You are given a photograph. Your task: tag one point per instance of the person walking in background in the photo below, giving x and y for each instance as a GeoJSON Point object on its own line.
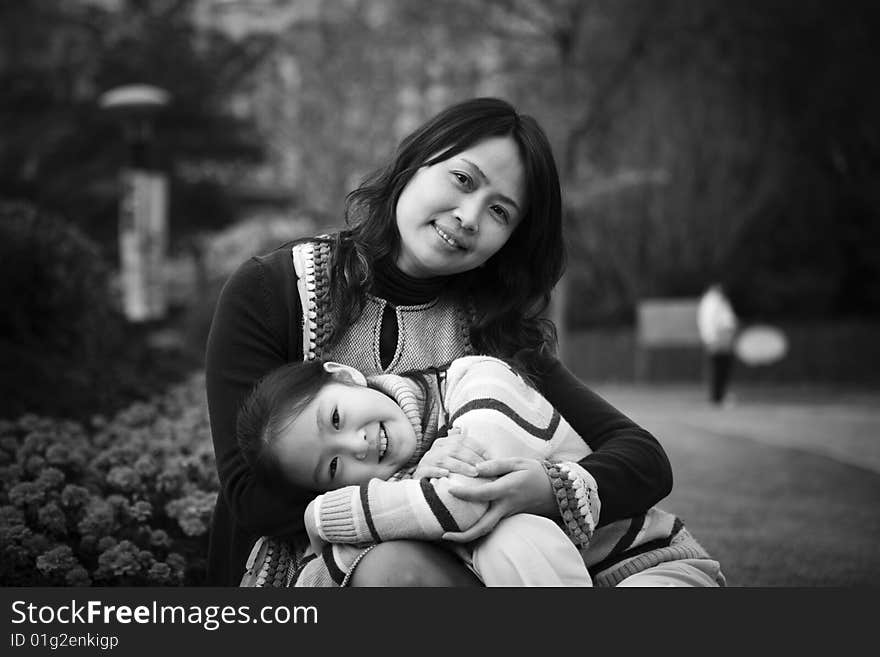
{"type": "Point", "coordinates": [717, 324]}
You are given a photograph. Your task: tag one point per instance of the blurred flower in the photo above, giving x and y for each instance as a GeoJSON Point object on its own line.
{"type": "Point", "coordinates": [124, 478]}
{"type": "Point", "coordinates": [74, 497]}
{"type": "Point", "coordinates": [146, 466]}
{"type": "Point", "coordinates": [27, 493]}
{"type": "Point", "coordinates": [160, 538]}
{"type": "Point", "coordinates": [78, 576]}
{"type": "Point", "coordinates": [34, 465]}
{"type": "Point", "coordinates": [99, 519]}
{"type": "Point", "coordinates": [193, 512]}
{"type": "Point", "coordinates": [177, 564]}
{"type": "Point", "coordinates": [114, 492]}
{"type": "Point", "coordinates": [52, 519]}
{"type": "Point", "coordinates": [160, 573]}
{"type": "Point", "coordinates": [106, 542]}
{"type": "Point", "coordinates": [51, 478]}
{"type": "Point", "coordinates": [141, 511]}
{"type": "Point", "coordinates": [122, 559]}
{"type": "Point", "coordinates": [58, 560]}
{"type": "Point", "coordinates": [10, 515]}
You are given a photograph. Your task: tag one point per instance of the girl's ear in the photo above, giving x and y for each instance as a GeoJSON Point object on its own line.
{"type": "Point", "coordinates": [345, 374]}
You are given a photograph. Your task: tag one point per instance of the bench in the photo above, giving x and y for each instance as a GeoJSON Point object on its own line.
{"type": "Point", "coordinates": [667, 324]}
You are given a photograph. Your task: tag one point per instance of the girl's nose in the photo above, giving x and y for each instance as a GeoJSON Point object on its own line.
{"type": "Point", "coordinates": [355, 444]}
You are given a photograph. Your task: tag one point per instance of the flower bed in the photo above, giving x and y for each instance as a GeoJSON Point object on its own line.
{"type": "Point", "coordinates": [125, 501]}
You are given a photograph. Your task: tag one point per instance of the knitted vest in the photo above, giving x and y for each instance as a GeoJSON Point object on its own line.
{"type": "Point", "coordinates": [428, 334]}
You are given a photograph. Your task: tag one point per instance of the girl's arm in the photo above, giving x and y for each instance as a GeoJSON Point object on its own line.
{"type": "Point", "coordinates": [630, 468]}
{"type": "Point", "coordinates": [388, 510]}
{"type": "Point", "coordinates": [249, 337]}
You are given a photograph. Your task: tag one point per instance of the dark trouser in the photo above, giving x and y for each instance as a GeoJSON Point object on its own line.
{"type": "Point", "coordinates": [720, 365]}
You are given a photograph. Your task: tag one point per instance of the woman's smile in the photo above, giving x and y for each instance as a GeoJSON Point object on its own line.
{"type": "Point", "coordinates": [447, 237]}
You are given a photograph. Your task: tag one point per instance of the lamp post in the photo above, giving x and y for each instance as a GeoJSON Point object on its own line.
{"type": "Point", "coordinates": [143, 206]}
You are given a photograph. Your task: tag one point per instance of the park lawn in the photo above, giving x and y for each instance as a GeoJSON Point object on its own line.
{"type": "Point", "coordinates": [774, 515]}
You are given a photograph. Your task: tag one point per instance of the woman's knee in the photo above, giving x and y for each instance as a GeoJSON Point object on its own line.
{"type": "Point", "coordinates": [411, 563]}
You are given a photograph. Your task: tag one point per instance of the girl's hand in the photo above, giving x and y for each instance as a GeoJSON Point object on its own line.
{"type": "Point", "coordinates": [522, 486]}
{"type": "Point", "coordinates": [455, 452]}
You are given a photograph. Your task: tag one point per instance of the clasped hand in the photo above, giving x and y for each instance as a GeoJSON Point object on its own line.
{"type": "Point", "coordinates": [520, 485]}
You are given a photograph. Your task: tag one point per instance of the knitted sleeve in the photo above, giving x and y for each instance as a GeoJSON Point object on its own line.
{"type": "Point", "coordinates": [577, 498]}
{"type": "Point", "coordinates": [629, 465]}
{"type": "Point", "coordinates": [388, 510]}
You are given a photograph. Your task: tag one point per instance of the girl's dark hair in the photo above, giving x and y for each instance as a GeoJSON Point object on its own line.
{"type": "Point", "coordinates": [511, 291]}
{"type": "Point", "coordinates": [275, 402]}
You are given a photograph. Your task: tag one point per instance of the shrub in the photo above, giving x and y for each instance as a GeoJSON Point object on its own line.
{"type": "Point", "coordinates": [120, 501]}
{"type": "Point", "coordinates": [59, 324]}
{"type": "Point", "coordinates": [65, 349]}
{"type": "Point", "coordinates": [54, 285]}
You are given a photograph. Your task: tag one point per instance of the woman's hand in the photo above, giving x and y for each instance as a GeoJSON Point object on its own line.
{"type": "Point", "coordinates": [455, 452]}
{"type": "Point", "coordinates": [522, 486]}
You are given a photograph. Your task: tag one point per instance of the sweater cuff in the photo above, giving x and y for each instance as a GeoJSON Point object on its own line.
{"type": "Point", "coordinates": [577, 497]}
{"type": "Point", "coordinates": [335, 517]}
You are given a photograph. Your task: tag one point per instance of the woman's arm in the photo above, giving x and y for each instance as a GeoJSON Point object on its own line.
{"type": "Point", "coordinates": [250, 336]}
{"type": "Point", "coordinates": [630, 467]}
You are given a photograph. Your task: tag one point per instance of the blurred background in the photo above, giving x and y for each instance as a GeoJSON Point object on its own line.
{"type": "Point", "coordinates": [698, 141]}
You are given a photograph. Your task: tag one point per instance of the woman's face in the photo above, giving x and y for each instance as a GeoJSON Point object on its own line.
{"type": "Point", "coordinates": [456, 214]}
{"type": "Point", "coordinates": [347, 435]}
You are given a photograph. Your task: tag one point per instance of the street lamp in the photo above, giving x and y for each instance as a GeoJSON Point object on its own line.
{"type": "Point", "coordinates": [143, 207]}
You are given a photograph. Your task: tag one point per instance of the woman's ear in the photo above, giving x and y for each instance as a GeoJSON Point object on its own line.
{"type": "Point", "coordinates": [345, 374]}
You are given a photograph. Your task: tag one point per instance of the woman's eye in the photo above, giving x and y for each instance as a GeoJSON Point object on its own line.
{"type": "Point", "coordinates": [334, 419]}
{"type": "Point", "coordinates": [334, 462]}
{"type": "Point", "coordinates": [463, 179]}
{"type": "Point", "coordinates": [501, 213]}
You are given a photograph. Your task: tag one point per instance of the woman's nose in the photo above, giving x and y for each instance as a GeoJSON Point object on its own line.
{"type": "Point", "coordinates": [468, 215]}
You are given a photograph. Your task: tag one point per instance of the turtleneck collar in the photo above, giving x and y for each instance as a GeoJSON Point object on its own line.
{"type": "Point", "coordinates": [402, 289]}
{"type": "Point", "coordinates": [414, 401]}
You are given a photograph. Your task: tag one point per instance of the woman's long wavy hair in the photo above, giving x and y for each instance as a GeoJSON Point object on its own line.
{"type": "Point", "coordinates": [511, 291]}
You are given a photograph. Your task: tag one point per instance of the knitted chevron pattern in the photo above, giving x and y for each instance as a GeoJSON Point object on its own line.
{"type": "Point", "coordinates": [429, 334]}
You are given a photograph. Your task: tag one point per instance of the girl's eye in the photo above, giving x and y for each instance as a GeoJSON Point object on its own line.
{"type": "Point", "coordinates": [463, 179]}
{"type": "Point", "coordinates": [334, 462]}
{"type": "Point", "coordinates": [334, 419]}
{"type": "Point", "coordinates": [501, 213]}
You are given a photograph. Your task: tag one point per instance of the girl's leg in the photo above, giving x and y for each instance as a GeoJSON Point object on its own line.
{"type": "Point", "coordinates": [529, 550]}
{"type": "Point", "coordinates": [684, 572]}
{"type": "Point", "coordinates": [411, 563]}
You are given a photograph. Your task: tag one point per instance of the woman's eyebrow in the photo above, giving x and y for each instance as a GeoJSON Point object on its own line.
{"type": "Point", "coordinates": [485, 179]}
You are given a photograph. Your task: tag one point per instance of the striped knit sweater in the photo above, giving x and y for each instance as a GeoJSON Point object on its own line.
{"type": "Point", "coordinates": [483, 397]}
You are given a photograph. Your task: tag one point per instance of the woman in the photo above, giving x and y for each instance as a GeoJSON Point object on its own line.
{"type": "Point", "coordinates": [451, 249]}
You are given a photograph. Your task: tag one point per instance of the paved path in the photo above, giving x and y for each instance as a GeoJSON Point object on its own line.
{"type": "Point", "coordinates": [782, 487]}
{"type": "Point", "coordinates": [842, 425]}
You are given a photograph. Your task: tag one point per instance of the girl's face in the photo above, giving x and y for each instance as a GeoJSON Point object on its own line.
{"type": "Point", "coordinates": [456, 214]}
{"type": "Point", "coordinates": [347, 435]}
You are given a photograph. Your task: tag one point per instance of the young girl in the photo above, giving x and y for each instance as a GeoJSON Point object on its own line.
{"type": "Point", "coordinates": [451, 249]}
{"type": "Point", "coordinates": [326, 427]}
